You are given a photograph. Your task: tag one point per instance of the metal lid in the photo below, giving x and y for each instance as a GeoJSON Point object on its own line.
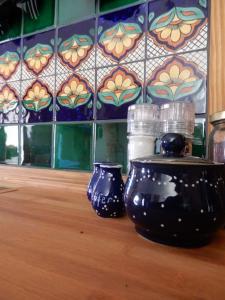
{"type": "Point", "coordinates": [161, 159]}
{"type": "Point", "coordinates": [216, 117]}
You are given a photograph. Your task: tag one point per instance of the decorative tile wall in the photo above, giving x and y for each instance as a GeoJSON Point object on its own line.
{"type": "Point", "coordinates": [176, 26]}
{"type": "Point", "coordinates": [178, 77]}
{"type": "Point", "coordinates": [121, 37]}
{"type": "Point", "coordinates": [69, 73]}
{"type": "Point", "coordinates": [118, 87]}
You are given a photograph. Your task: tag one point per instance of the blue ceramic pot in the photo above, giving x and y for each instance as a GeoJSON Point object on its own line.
{"type": "Point", "coordinates": [176, 201]}
{"type": "Point", "coordinates": [93, 180]}
{"type": "Point", "coordinates": [107, 198]}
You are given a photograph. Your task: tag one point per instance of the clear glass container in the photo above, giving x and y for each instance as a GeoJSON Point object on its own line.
{"type": "Point", "coordinates": [178, 117]}
{"type": "Point", "coordinates": [142, 129]}
{"type": "Point", "coordinates": [143, 119]}
{"type": "Point", "coordinates": [216, 148]}
{"type": "Point", "coordinates": [140, 146]}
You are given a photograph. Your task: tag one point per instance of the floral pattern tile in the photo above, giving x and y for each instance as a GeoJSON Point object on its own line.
{"type": "Point", "coordinates": [38, 55]}
{"type": "Point", "coordinates": [121, 37]}
{"type": "Point", "coordinates": [92, 70]}
{"type": "Point", "coordinates": [176, 26]}
{"type": "Point", "coordinates": [75, 96]}
{"type": "Point", "coordinates": [119, 87]}
{"type": "Point", "coordinates": [76, 47]}
{"type": "Point", "coordinates": [10, 65]}
{"type": "Point", "coordinates": [180, 77]}
{"type": "Point", "coordinates": [37, 100]}
{"type": "Point", "coordinates": [9, 102]}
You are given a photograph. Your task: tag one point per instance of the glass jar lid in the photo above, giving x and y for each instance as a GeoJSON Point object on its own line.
{"type": "Point", "coordinates": [177, 117]}
{"type": "Point", "coordinates": [217, 117]}
{"type": "Point", "coordinates": [143, 119]}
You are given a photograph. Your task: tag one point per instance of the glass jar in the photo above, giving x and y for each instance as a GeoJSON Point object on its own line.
{"type": "Point", "coordinates": [140, 146]}
{"type": "Point", "coordinates": [178, 117]}
{"type": "Point", "coordinates": [217, 137]}
{"type": "Point", "coordinates": [142, 129]}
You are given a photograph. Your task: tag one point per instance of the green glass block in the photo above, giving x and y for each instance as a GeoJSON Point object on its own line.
{"type": "Point", "coordinates": [106, 5]}
{"type": "Point", "coordinates": [9, 145]}
{"type": "Point", "coordinates": [10, 21]}
{"type": "Point", "coordinates": [73, 149]}
{"type": "Point", "coordinates": [70, 10]}
{"type": "Point", "coordinates": [111, 143]}
{"type": "Point", "coordinates": [36, 145]}
{"type": "Point", "coordinates": [45, 17]}
{"type": "Point", "coordinates": [198, 145]}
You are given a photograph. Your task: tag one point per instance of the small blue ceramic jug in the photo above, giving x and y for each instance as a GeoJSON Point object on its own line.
{"type": "Point", "coordinates": [93, 180]}
{"type": "Point", "coordinates": [107, 197]}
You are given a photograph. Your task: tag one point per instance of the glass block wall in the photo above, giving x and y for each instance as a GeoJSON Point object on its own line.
{"type": "Point", "coordinates": [69, 73]}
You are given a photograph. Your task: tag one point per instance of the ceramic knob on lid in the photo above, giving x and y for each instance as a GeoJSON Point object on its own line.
{"type": "Point", "coordinates": [173, 145]}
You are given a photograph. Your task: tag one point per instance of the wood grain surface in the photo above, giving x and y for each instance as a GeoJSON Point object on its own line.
{"type": "Point", "coordinates": [54, 247]}
{"type": "Point", "coordinates": [217, 57]}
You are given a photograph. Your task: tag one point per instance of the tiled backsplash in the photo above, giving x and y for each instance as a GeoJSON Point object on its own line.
{"type": "Point", "coordinates": [68, 77]}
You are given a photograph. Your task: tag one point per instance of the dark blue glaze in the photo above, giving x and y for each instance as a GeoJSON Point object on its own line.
{"type": "Point", "coordinates": [127, 15]}
{"type": "Point", "coordinates": [82, 112]}
{"type": "Point", "coordinates": [176, 204]}
{"type": "Point", "coordinates": [93, 180]}
{"type": "Point", "coordinates": [159, 7]}
{"type": "Point", "coordinates": [173, 144]}
{"type": "Point", "coordinates": [135, 14]}
{"type": "Point", "coordinates": [107, 197]}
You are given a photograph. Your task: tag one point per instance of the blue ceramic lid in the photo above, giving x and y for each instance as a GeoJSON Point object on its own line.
{"type": "Point", "coordinates": [173, 147]}
{"type": "Point", "coordinates": [161, 159]}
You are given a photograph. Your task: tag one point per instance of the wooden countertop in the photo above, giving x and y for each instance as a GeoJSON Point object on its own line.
{"type": "Point", "coordinates": [54, 247]}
